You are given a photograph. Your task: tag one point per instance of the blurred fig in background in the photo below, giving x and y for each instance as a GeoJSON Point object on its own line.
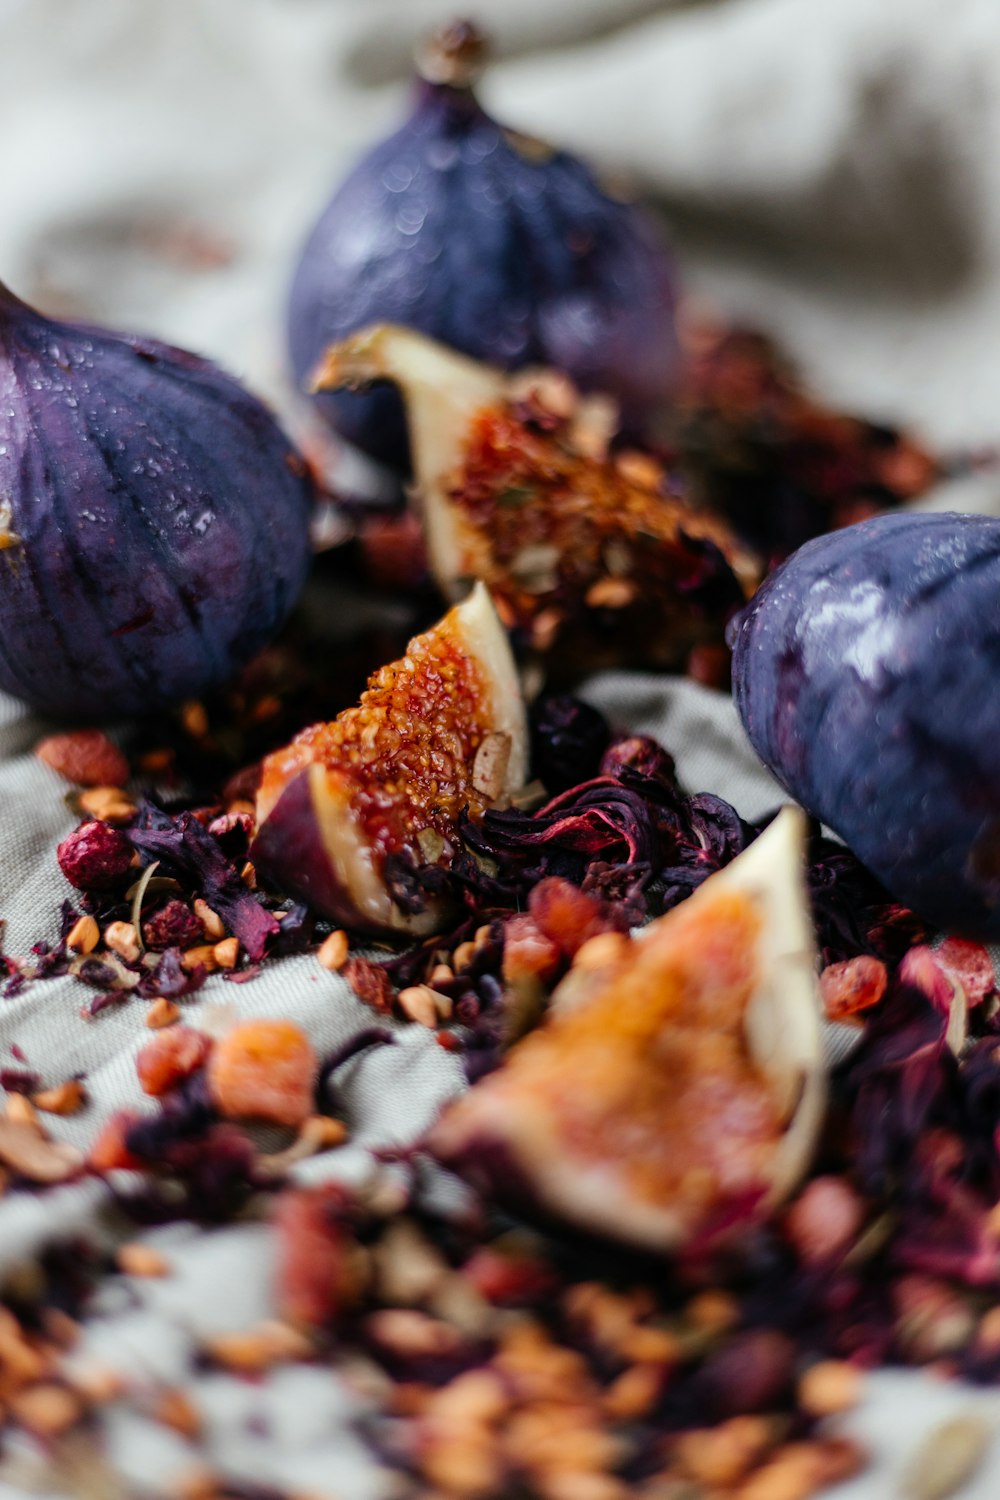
{"type": "Point", "coordinates": [491, 243]}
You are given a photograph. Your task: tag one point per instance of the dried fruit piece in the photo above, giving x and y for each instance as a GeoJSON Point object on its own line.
{"type": "Point", "coordinates": [579, 557]}
{"type": "Point", "coordinates": [947, 1459]}
{"type": "Point", "coordinates": [95, 856]}
{"type": "Point", "coordinates": [320, 1268]}
{"type": "Point", "coordinates": [173, 926]}
{"type": "Point", "coordinates": [358, 817]}
{"type": "Point", "coordinates": [264, 1070]}
{"type": "Point", "coordinates": [27, 1152]}
{"type": "Point", "coordinates": [682, 1083]}
{"type": "Point", "coordinates": [173, 1055]}
{"type": "Point", "coordinates": [85, 756]}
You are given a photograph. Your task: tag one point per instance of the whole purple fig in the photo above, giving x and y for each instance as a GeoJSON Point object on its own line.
{"type": "Point", "coordinates": [153, 520]}
{"type": "Point", "coordinates": [865, 671]}
{"type": "Point", "coordinates": [496, 245]}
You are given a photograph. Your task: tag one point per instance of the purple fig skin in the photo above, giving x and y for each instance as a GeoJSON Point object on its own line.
{"type": "Point", "coordinates": [865, 671]}
{"type": "Point", "coordinates": [503, 250]}
{"type": "Point", "coordinates": [289, 852]}
{"type": "Point", "coordinates": [155, 532]}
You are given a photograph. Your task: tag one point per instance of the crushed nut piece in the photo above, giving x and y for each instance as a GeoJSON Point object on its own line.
{"type": "Point", "coordinates": [46, 1409]}
{"type": "Point", "coordinates": [830, 1387]}
{"type": "Point", "coordinates": [463, 956]}
{"type": "Point", "coordinates": [108, 804]}
{"type": "Point", "coordinates": [26, 1151]}
{"type": "Point", "coordinates": [65, 1099]}
{"type": "Point", "coordinates": [333, 951]}
{"type": "Point", "coordinates": [248, 875]}
{"type": "Point", "coordinates": [162, 1013]}
{"type": "Point", "coordinates": [177, 1411]}
{"type": "Point", "coordinates": [258, 1348]}
{"type": "Point", "coordinates": [122, 938]}
{"type": "Point", "coordinates": [417, 1003]}
{"type": "Point", "coordinates": [83, 936]}
{"type": "Point", "coordinates": [212, 924]}
{"type": "Point", "coordinates": [136, 1259]}
{"type": "Point", "coordinates": [226, 953]}
{"type": "Point", "coordinates": [202, 954]}
{"type": "Point", "coordinates": [611, 593]}
{"type": "Point", "coordinates": [20, 1109]}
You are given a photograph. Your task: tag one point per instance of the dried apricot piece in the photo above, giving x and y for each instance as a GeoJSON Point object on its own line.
{"type": "Point", "coordinates": [264, 1070]}
{"type": "Point", "coordinates": [172, 1055]}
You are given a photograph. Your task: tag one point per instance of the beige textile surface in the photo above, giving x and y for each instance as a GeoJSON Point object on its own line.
{"type": "Point", "coordinates": [831, 170]}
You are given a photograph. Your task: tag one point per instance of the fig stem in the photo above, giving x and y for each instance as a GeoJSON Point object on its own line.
{"type": "Point", "coordinates": [455, 55]}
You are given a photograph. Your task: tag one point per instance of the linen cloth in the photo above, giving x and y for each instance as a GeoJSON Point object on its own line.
{"type": "Point", "coordinates": [830, 174]}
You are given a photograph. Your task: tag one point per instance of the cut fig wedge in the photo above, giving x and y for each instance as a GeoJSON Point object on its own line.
{"type": "Point", "coordinates": [358, 817]}
{"type": "Point", "coordinates": [588, 556]}
{"type": "Point", "coordinates": [676, 1090]}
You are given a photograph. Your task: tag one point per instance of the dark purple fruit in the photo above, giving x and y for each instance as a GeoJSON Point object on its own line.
{"type": "Point", "coordinates": [866, 673]}
{"type": "Point", "coordinates": [153, 520]}
{"type": "Point", "coordinates": [491, 243]}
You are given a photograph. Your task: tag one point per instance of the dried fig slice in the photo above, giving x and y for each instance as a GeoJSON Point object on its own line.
{"type": "Point", "coordinates": [676, 1088]}
{"type": "Point", "coordinates": [353, 816]}
{"type": "Point", "coordinates": [589, 557]}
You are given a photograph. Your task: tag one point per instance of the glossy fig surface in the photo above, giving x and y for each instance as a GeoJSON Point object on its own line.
{"type": "Point", "coordinates": [676, 1087]}
{"type": "Point", "coordinates": [493, 244]}
{"type": "Point", "coordinates": [153, 520]}
{"type": "Point", "coordinates": [359, 817]}
{"type": "Point", "coordinates": [866, 673]}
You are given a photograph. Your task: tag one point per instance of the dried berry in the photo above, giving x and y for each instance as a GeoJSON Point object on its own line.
{"type": "Point", "coordinates": [173, 926]}
{"type": "Point", "coordinates": [319, 1270]}
{"type": "Point", "coordinates": [639, 753]}
{"type": "Point", "coordinates": [264, 1070]}
{"type": "Point", "coordinates": [95, 857]}
{"type": "Point", "coordinates": [173, 1055]}
{"type": "Point", "coordinates": [568, 738]}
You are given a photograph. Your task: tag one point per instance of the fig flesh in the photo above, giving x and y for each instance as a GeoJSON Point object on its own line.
{"type": "Point", "coordinates": [679, 1086]}
{"type": "Point", "coordinates": [865, 673]}
{"type": "Point", "coordinates": [587, 559]}
{"type": "Point", "coordinates": [358, 817]}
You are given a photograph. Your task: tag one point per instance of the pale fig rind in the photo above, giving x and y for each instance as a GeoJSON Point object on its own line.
{"type": "Point", "coordinates": [508, 1141]}
{"type": "Point", "coordinates": [310, 840]}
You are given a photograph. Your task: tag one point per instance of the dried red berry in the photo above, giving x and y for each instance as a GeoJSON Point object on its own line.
{"type": "Point", "coordinates": [370, 983]}
{"type": "Point", "coordinates": [95, 857]}
{"type": "Point", "coordinates": [971, 965]}
{"type": "Point", "coordinates": [171, 1056]}
{"type": "Point", "coordinates": [173, 926]}
{"type": "Point", "coordinates": [855, 984]}
{"type": "Point", "coordinates": [527, 952]}
{"type": "Point", "coordinates": [565, 914]}
{"type": "Point", "coordinates": [319, 1269]}
{"type": "Point", "coordinates": [109, 1152]}
{"type": "Point", "coordinates": [824, 1219]}
{"type": "Point", "coordinates": [85, 756]}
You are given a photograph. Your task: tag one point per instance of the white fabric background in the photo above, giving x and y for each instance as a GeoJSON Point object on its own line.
{"type": "Point", "coordinates": [831, 172]}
